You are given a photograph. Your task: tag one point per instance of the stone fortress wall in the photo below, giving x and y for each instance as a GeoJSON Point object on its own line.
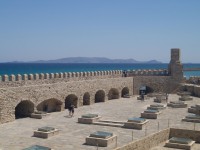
{"type": "Point", "coordinates": [74, 75]}
{"type": "Point", "coordinates": [58, 96]}
{"type": "Point", "coordinates": [21, 95]}
{"type": "Point", "coordinates": [192, 88]}
{"type": "Point", "coordinates": [194, 80]}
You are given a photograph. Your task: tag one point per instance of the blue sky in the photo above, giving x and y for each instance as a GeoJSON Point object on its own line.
{"type": "Point", "coordinates": [139, 29]}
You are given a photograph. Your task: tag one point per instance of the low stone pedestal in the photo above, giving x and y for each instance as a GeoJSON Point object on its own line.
{"type": "Point", "coordinates": [177, 104]}
{"type": "Point", "coordinates": [195, 117]}
{"type": "Point", "coordinates": [180, 143]}
{"type": "Point", "coordinates": [185, 98]}
{"type": "Point", "coordinates": [89, 118]}
{"type": "Point", "coordinates": [192, 109]}
{"type": "Point", "coordinates": [150, 114]}
{"type": "Point", "coordinates": [102, 139]}
{"type": "Point", "coordinates": [39, 115]}
{"type": "Point", "coordinates": [45, 132]}
{"type": "Point", "coordinates": [135, 123]}
{"type": "Point", "coordinates": [156, 107]}
{"type": "Point", "coordinates": [37, 147]}
{"type": "Point", "coordinates": [192, 118]}
{"type": "Point", "coordinates": [183, 93]}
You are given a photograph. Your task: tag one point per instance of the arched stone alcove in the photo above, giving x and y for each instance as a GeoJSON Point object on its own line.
{"type": "Point", "coordinates": [100, 96]}
{"type": "Point", "coordinates": [125, 91]}
{"type": "Point", "coordinates": [24, 109]}
{"type": "Point", "coordinates": [145, 90]}
{"type": "Point", "coordinates": [86, 99]}
{"type": "Point", "coordinates": [113, 94]}
{"type": "Point", "coordinates": [50, 105]}
{"type": "Point", "coordinates": [149, 90]}
{"type": "Point", "coordinates": [71, 100]}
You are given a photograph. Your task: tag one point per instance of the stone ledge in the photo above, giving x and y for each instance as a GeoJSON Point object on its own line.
{"type": "Point", "coordinates": [179, 146]}
{"type": "Point", "coordinates": [45, 135]}
{"type": "Point", "coordinates": [88, 120]}
{"type": "Point", "coordinates": [100, 141]}
{"type": "Point", "coordinates": [149, 115]}
{"type": "Point", "coordinates": [135, 125]}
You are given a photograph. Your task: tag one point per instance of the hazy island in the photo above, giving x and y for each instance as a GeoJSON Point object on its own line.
{"type": "Point", "coordinates": [89, 60]}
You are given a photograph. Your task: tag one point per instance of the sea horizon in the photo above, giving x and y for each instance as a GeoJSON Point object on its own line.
{"type": "Point", "coordinates": [33, 68]}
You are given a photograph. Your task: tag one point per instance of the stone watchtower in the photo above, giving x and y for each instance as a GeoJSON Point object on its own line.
{"type": "Point", "coordinates": [175, 67]}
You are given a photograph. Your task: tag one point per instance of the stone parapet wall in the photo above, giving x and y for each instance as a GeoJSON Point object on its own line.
{"type": "Point", "coordinates": [49, 78]}
{"type": "Point", "coordinates": [42, 76]}
{"type": "Point", "coordinates": [147, 142]}
{"type": "Point", "coordinates": [150, 72]}
{"type": "Point", "coordinates": [192, 88]}
{"type": "Point", "coordinates": [164, 84]}
{"type": "Point", "coordinates": [194, 80]}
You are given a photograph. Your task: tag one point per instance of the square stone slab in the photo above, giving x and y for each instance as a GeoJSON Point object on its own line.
{"type": "Point", "coordinates": [151, 111]}
{"type": "Point", "coordinates": [46, 129]}
{"type": "Point", "coordinates": [180, 140]}
{"type": "Point", "coordinates": [37, 147]}
{"type": "Point", "coordinates": [89, 116]}
{"type": "Point", "coordinates": [138, 120]}
{"type": "Point", "coordinates": [101, 134]}
{"type": "Point", "coordinates": [180, 143]}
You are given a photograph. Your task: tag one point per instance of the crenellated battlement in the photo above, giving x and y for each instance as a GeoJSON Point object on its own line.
{"type": "Point", "coordinates": [46, 76]}
{"type": "Point", "coordinates": [61, 75]}
{"type": "Point", "coordinates": [150, 72]}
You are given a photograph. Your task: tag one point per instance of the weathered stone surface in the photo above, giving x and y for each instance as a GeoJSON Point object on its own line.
{"type": "Point", "coordinates": [100, 141]}
{"type": "Point", "coordinates": [37, 94]}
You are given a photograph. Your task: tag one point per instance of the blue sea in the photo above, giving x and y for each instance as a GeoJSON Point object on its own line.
{"type": "Point", "coordinates": [32, 68]}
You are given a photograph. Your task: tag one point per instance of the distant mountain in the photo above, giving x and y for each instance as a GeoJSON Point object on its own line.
{"type": "Point", "coordinates": [93, 60]}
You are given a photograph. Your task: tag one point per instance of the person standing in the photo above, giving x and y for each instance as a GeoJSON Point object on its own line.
{"type": "Point", "coordinates": [72, 110]}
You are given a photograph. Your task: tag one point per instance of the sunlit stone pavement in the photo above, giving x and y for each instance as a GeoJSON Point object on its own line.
{"type": "Point", "coordinates": [18, 135]}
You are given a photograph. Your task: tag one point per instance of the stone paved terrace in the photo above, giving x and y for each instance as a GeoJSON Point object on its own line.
{"type": "Point", "coordinates": [18, 134]}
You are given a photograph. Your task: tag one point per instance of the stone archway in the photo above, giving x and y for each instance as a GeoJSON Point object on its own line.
{"type": "Point", "coordinates": [86, 99]}
{"type": "Point", "coordinates": [149, 90]}
{"type": "Point", "coordinates": [100, 96]}
{"type": "Point", "coordinates": [113, 94]}
{"type": "Point", "coordinates": [50, 105]}
{"type": "Point", "coordinates": [71, 100]}
{"type": "Point", "coordinates": [145, 90]}
{"type": "Point", "coordinates": [24, 109]}
{"type": "Point", "coordinates": [125, 91]}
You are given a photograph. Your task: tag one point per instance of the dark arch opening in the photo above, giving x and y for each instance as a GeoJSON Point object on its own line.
{"type": "Point", "coordinates": [145, 90]}
{"type": "Point", "coordinates": [50, 105]}
{"type": "Point", "coordinates": [71, 100]}
{"type": "Point", "coordinates": [113, 94]}
{"type": "Point", "coordinates": [86, 99]}
{"type": "Point", "coordinates": [24, 109]}
{"type": "Point", "coordinates": [125, 91]}
{"type": "Point", "coordinates": [100, 96]}
{"type": "Point", "coordinates": [149, 90]}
